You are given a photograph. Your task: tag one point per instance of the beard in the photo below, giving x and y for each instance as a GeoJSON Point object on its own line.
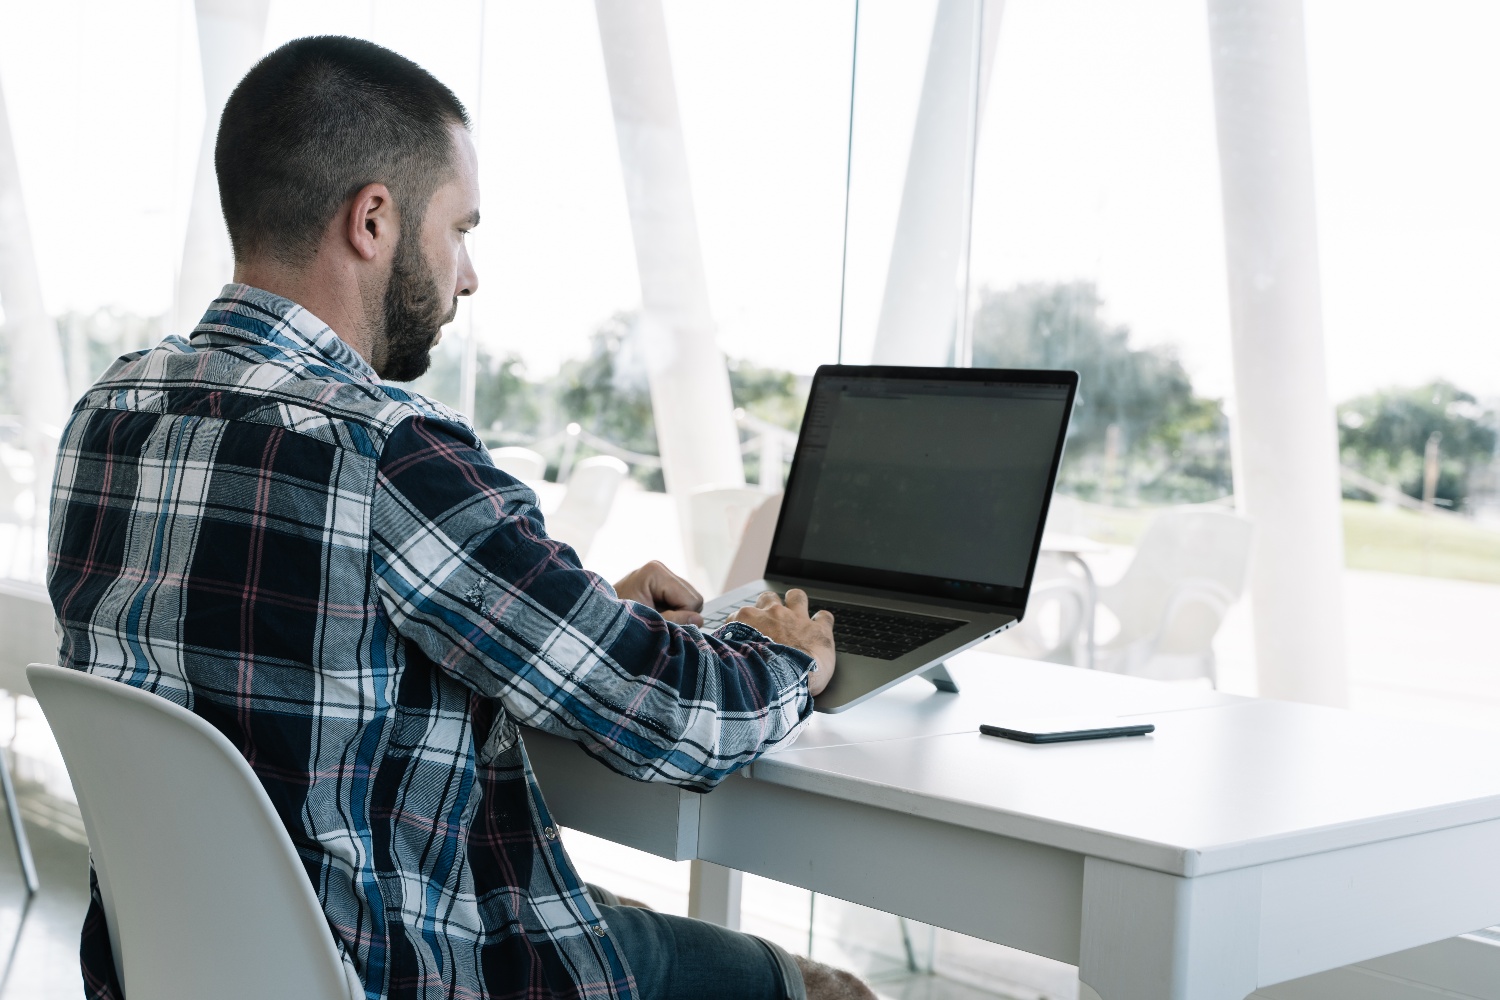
{"type": "Point", "coordinates": [414, 315]}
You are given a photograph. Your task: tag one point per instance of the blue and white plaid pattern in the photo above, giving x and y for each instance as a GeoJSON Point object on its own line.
{"type": "Point", "coordinates": [331, 571]}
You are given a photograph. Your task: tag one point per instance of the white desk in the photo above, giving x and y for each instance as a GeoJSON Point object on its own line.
{"type": "Point", "coordinates": [1243, 844]}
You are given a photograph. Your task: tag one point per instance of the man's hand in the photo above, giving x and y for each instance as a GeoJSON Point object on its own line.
{"type": "Point", "coordinates": [789, 625]}
{"type": "Point", "coordinates": [658, 587]}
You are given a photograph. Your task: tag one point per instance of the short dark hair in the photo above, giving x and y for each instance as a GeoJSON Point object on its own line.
{"type": "Point", "coordinates": [315, 121]}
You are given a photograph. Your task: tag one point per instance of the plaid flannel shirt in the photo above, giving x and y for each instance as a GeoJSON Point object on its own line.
{"type": "Point", "coordinates": [331, 571]}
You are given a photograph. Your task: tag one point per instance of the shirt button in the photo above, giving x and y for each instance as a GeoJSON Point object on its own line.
{"type": "Point", "coordinates": [550, 833]}
{"type": "Point", "coordinates": [599, 930]}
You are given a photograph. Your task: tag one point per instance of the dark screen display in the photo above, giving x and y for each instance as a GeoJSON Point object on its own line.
{"type": "Point", "coordinates": [932, 478]}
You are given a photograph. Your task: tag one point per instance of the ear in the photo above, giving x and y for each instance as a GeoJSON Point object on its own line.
{"type": "Point", "coordinates": [372, 221]}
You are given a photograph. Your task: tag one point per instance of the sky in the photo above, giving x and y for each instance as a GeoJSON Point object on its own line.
{"type": "Point", "coordinates": [1096, 161]}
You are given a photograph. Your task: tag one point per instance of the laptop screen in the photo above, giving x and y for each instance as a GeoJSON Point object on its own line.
{"type": "Point", "coordinates": [925, 480]}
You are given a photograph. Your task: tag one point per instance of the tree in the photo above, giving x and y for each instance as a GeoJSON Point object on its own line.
{"type": "Point", "coordinates": [607, 392]}
{"type": "Point", "coordinates": [505, 400]}
{"type": "Point", "coordinates": [508, 406]}
{"type": "Point", "coordinates": [1384, 435]}
{"type": "Point", "coordinates": [1168, 443]}
{"type": "Point", "coordinates": [775, 396]}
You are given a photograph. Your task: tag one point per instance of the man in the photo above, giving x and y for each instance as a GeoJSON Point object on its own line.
{"type": "Point", "coordinates": [253, 523]}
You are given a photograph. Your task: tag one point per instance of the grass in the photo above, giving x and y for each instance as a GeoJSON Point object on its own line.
{"type": "Point", "coordinates": [1405, 541]}
{"type": "Point", "coordinates": [1390, 540]}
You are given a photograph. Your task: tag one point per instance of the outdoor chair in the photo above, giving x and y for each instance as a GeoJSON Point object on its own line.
{"type": "Point", "coordinates": [1189, 569]}
{"type": "Point", "coordinates": [585, 506]}
{"type": "Point", "coordinates": [719, 516]}
{"type": "Point", "coordinates": [749, 562]}
{"type": "Point", "coordinates": [1056, 615]}
{"type": "Point", "coordinates": [204, 894]}
{"type": "Point", "coordinates": [522, 463]}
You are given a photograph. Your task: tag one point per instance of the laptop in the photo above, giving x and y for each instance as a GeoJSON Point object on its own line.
{"type": "Point", "coordinates": [914, 512]}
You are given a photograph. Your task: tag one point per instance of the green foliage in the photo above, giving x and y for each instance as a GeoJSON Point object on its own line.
{"type": "Point", "coordinates": [607, 392]}
{"type": "Point", "coordinates": [775, 396]}
{"type": "Point", "coordinates": [1385, 434]}
{"type": "Point", "coordinates": [507, 404]}
{"type": "Point", "coordinates": [503, 397]}
{"type": "Point", "coordinates": [1169, 444]}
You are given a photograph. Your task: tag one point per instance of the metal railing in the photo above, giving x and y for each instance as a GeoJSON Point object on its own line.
{"type": "Point", "coordinates": [772, 444]}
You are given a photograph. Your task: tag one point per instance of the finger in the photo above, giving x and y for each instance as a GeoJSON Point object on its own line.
{"type": "Point", "coordinates": [628, 588]}
{"type": "Point", "coordinates": [824, 618]}
{"type": "Point", "coordinates": [796, 600]}
{"type": "Point", "coordinates": [767, 599]}
{"type": "Point", "coordinates": [746, 614]}
{"type": "Point", "coordinates": [683, 617]}
{"type": "Point", "coordinates": [671, 592]}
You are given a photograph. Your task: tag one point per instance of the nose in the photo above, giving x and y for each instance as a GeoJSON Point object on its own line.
{"type": "Point", "coordinates": [468, 279]}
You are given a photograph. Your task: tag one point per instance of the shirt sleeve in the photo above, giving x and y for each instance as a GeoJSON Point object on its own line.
{"type": "Point", "coordinates": [467, 573]}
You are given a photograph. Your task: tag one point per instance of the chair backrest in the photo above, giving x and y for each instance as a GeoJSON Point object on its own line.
{"type": "Point", "coordinates": [1064, 516]}
{"type": "Point", "coordinates": [203, 892]}
{"type": "Point", "coordinates": [1056, 613]}
{"type": "Point", "coordinates": [1199, 547]}
{"type": "Point", "coordinates": [523, 463]}
{"type": "Point", "coordinates": [585, 506]}
{"type": "Point", "coordinates": [719, 516]}
{"type": "Point", "coordinates": [749, 562]}
{"type": "Point", "coordinates": [28, 632]}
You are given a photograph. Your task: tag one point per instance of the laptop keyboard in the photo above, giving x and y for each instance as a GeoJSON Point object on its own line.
{"type": "Point", "coordinates": [865, 631]}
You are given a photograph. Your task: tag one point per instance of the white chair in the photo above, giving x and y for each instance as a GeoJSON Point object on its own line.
{"type": "Point", "coordinates": [718, 516]}
{"type": "Point", "coordinates": [1189, 568]}
{"type": "Point", "coordinates": [1065, 516]}
{"type": "Point", "coordinates": [203, 892]}
{"type": "Point", "coordinates": [585, 506]}
{"type": "Point", "coordinates": [1056, 615]}
{"type": "Point", "coordinates": [523, 463]}
{"type": "Point", "coordinates": [749, 562]}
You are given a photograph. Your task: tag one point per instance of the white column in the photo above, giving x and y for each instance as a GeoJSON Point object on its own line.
{"type": "Point", "coordinates": [38, 380]}
{"type": "Point", "coordinates": [690, 399]}
{"type": "Point", "coordinates": [923, 285]}
{"type": "Point", "coordinates": [230, 36]}
{"type": "Point", "coordinates": [714, 894]}
{"type": "Point", "coordinates": [1286, 446]}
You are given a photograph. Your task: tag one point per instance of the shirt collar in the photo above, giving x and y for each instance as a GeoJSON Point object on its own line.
{"type": "Point", "coordinates": [246, 313]}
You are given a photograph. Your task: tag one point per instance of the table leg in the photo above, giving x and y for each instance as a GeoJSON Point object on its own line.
{"type": "Point", "coordinates": [714, 894]}
{"type": "Point", "coordinates": [1151, 936]}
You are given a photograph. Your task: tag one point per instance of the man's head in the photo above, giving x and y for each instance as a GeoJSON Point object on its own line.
{"type": "Point", "coordinates": [347, 171]}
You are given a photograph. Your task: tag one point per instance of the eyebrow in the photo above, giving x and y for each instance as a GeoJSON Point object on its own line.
{"type": "Point", "coordinates": [473, 218]}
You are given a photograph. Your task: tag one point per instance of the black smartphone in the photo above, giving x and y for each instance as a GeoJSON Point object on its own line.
{"type": "Point", "coordinates": [1064, 730]}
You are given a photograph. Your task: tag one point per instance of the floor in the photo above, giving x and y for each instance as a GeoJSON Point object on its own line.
{"type": "Point", "coordinates": [44, 960]}
{"type": "Point", "coordinates": [44, 963]}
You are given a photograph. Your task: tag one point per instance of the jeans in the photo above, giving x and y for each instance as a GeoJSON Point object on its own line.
{"type": "Point", "coordinates": [677, 958]}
